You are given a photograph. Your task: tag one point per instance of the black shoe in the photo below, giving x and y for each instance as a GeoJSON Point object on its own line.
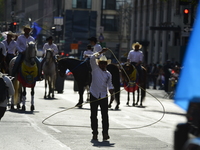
{"type": "Point", "coordinates": [94, 137]}
{"type": "Point", "coordinates": [105, 137]}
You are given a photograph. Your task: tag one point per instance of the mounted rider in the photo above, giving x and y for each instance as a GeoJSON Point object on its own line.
{"type": "Point", "coordinates": [50, 45]}
{"type": "Point", "coordinates": [22, 41]}
{"type": "Point", "coordinates": [135, 57]}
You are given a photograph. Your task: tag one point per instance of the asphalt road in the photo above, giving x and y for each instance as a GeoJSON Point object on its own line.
{"type": "Point", "coordinates": [57, 125]}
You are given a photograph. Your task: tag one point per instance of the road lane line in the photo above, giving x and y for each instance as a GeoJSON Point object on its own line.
{"type": "Point", "coordinates": [37, 128]}
{"type": "Point", "coordinates": [54, 129]}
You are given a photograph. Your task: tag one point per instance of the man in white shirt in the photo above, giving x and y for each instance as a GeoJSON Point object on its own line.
{"type": "Point", "coordinates": [88, 52]}
{"type": "Point", "coordinates": [135, 57]}
{"type": "Point", "coordinates": [53, 47]}
{"type": "Point", "coordinates": [11, 91]}
{"type": "Point", "coordinates": [96, 46]}
{"type": "Point", "coordinates": [11, 46]}
{"type": "Point", "coordinates": [22, 41]}
{"type": "Point", "coordinates": [101, 83]}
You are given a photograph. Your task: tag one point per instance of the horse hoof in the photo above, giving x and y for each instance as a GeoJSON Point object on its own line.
{"type": "Point", "coordinates": [79, 105]}
{"type": "Point", "coordinates": [127, 104]}
{"type": "Point", "coordinates": [133, 104]}
{"type": "Point", "coordinates": [23, 108]}
{"type": "Point", "coordinates": [32, 107]}
{"type": "Point", "coordinates": [117, 108]}
{"type": "Point", "coordinates": [109, 106]}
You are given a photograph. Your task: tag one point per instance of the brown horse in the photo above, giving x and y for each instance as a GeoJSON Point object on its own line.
{"type": "Point", "coordinates": [132, 82]}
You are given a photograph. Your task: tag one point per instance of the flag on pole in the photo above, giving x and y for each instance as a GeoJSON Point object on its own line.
{"type": "Point", "coordinates": [188, 87]}
{"type": "Point", "coordinates": [36, 30]}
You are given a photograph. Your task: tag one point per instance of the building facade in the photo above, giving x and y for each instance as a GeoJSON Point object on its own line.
{"type": "Point", "coordinates": [157, 24]}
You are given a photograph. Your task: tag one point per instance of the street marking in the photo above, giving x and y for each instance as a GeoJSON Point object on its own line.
{"type": "Point", "coordinates": [56, 130]}
{"type": "Point", "coordinates": [37, 128]}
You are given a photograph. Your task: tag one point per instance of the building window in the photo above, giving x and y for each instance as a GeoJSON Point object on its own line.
{"type": "Point", "coordinates": [86, 4]}
{"type": "Point", "coordinates": [109, 4]}
{"type": "Point", "coordinates": [109, 22]}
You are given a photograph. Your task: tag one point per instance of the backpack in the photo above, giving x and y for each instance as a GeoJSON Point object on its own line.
{"type": "Point", "coordinates": [3, 90]}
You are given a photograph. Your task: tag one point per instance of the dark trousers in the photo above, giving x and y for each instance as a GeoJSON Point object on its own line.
{"type": "Point", "coordinates": [2, 111]}
{"type": "Point", "coordinates": [103, 103]}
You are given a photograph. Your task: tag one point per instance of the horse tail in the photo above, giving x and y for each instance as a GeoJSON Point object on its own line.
{"type": "Point", "coordinates": [17, 91]}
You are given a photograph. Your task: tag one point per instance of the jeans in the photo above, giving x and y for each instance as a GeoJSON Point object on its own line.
{"type": "Point", "coordinates": [103, 103]}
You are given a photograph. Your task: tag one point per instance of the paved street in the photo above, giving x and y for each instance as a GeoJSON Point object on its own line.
{"type": "Point", "coordinates": [131, 128]}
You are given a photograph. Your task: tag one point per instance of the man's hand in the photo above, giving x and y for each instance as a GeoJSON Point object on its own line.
{"type": "Point", "coordinates": [103, 50]}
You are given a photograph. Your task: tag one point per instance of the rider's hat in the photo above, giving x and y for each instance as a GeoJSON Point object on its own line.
{"type": "Point", "coordinates": [137, 43]}
{"type": "Point", "coordinates": [27, 27]}
{"type": "Point", "coordinates": [11, 33]}
{"type": "Point", "coordinates": [49, 38]}
{"type": "Point", "coordinates": [94, 39]}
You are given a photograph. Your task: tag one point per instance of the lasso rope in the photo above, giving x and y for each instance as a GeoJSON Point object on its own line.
{"type": "Point", "coordinates": [163, 108]}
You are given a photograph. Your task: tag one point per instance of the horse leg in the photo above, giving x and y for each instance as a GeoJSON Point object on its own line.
{"type": "Point", "coordinates": [49, 94]}
{"type": "Point", "coordinates": [81, 90]}
{"type": "Point", "coordinates": [128, 98]}
{"type": "Point", "coordinates": [45, 85]}
{"type": "Point", "coordinates": [32, 99]}
{"type": "Point", "coordinates": [88, 93]}
{"type": "Point", "coordinates": [24, 99]}
{"type": "Point", "coordinates": [138, 96]}
{"type": "Point", "coordinates": [117, 100]}
{"type": "Point", "coordinates": [133, 99]}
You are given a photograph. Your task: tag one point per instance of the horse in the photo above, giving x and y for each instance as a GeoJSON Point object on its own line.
{"type": "Point", "coordinates": [133, 83]}
{"type": "Point", "coordinates": [49, 70]}
{"type": "Point", "coordinates": [26, 77]}
{"type": "Point", "coordinates": [3, 63]}
{"type": "Point", "coordinates": [82, 74]}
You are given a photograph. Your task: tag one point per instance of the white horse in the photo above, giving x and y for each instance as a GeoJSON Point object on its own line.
{"type": "Point", "coordinates": [49, 70]}
{"type": "Point", "coordinates": [26, 77]}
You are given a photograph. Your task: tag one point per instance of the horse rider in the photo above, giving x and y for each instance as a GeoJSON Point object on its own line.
{"type": "Point", "coordinates": [96, 47]}
{"type": "Point", "coordinates": [135, 57]}
{"type": "Point", "coordinates": [50, 45]}
{"type": "Point", "coordinates": [87, 53]}
{"type": "Point", "coordinates": [22, 41]}
{"type": "Point", "coordinates": [101, 84]}
{"type": "Point", "coordinates": [11, 46]}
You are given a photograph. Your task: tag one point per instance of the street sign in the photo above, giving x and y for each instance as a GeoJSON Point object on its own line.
{"type": "Point", "coordinates": [58, 20]}
{"type": "Point", "coordinates": [74, 46]}
{"type": "Point", "coordinates": [187, 29]}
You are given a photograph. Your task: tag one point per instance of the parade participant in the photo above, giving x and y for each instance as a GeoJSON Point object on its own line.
{"type": "Point", "coordinates": [96, 46]}
{"type": "Point", "coordinates": [88, 52]}
{"type": "Point", "coordinates": [101, 83]}
{"type": "Point", "coordinates": [22, 41]}
{"type": "Point", "coordinates": [11, 46]}
{"type": "Point", "coordinates": [135, 57]}
{"type": "Point", "coordinates": [10, 90]}
{"type": "Point", "coordinates": [52, 46]}
{"type": "Point", "coordinates": [2, 46]}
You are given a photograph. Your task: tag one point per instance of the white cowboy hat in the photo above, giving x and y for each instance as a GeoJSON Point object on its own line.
{"type": "Point", "coordinates": [103, 58]}
{"type": "Point", "coordinates": [27, 27]}
{"type": "Point", "coordinates": [137, 43]}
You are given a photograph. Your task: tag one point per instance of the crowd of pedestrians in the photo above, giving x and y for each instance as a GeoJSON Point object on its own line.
{"type": "Point", "coordinates": [163, 76]}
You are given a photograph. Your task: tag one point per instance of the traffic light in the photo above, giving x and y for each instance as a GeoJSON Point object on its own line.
{"type": "Point", "coordinates": [185, 16]}
{"type": "Point", "coordinates": [53, 31]}
{"type": "Point", "coordinates": [13, 26]}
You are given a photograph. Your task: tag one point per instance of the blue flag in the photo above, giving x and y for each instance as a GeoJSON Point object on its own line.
{"type": "Point", "coordinates": [36, 30]}
{"type": "Point", "coordinates": [188, 87]}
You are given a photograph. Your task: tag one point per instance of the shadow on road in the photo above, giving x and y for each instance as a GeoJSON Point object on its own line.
{"type": "Point", "coordinates": [97, 143]}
